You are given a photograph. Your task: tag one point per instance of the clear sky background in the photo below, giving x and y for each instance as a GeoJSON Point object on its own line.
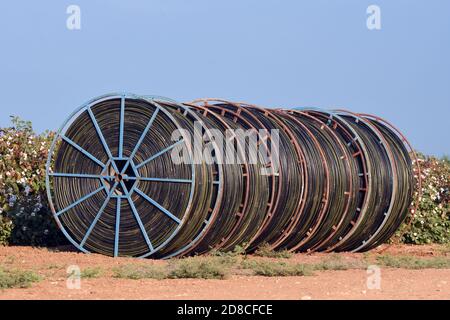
{"type": "Point", "coordinates": [274, 53]}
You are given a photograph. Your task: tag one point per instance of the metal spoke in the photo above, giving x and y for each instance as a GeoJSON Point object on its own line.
{"type": "Point", "coordinates": [99, 213]}
{"type": "Point", "coordinates": [159, 153]}
{"type": "Point", "coordinates": [117, 230]}
{"type": "Point", "coordinates": [124, 187]}
{"type": "Point", "coordinates": [79, 201]}
{"type": "Point", "coordinates": [122, 115]}
{"type": "Point", "coordinates": [144, 133]}
{"type": "Point", "coordinates": [139, 221]}
{"type": "Point", "coordinates": [76, 175]}
{"type": "Point", "coordinates": [99, 133]}
{"type": "Point", "coordinates": [156, 204]}
{"type": "Point", "coordinates": [141, 138]}
{"type": "Point", "coordinates": [114, 165]}
{"type": "Point", "coordinates": [83, 151]}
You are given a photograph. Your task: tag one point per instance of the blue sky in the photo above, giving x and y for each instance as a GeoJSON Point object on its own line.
{"type": "Point", "coordinates": [274, 53]}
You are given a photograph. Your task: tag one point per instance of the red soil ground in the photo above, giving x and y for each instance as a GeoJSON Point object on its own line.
{"type": "Point", "coordinates": [346, 284]}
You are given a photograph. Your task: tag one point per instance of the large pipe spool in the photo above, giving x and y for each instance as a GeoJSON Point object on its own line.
{"type": "Point", "coordinates": [126, 177]}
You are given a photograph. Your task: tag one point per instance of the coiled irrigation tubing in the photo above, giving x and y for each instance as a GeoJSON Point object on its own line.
{"type": "Point", "coordinates": [326, 181]}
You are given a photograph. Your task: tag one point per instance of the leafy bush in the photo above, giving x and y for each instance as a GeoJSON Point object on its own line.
{"type": "Point", "coordinates": [431, 222]}
{"type": "Point", "coordinates": [5, 230]}
{"type": "Point", "coordinates": [24, 210]}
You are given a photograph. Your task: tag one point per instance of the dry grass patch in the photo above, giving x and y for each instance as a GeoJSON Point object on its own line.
{"type": "Point", "coordinates": [277, 269]}
{"type": "Point", "coordinates": [200, 268]}
{"type": "Point", "coordinates": [136, 272]}
{"type": "Point", "coordinates": [205, 267]}
{"type": "Point", "coordinates": [91, 272]}
{"type": "Point", "coordinates": [337, 262]}
{"type": "Point", "coordinates": [411, 262]}
{"type": "Point", "coordinates": [15, 278]}
{"type": "Point", "coordinates": [266, 251]}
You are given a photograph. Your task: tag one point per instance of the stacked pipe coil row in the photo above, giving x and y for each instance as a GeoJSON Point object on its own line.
{"type": "Point", "coordinates": [344, 181]}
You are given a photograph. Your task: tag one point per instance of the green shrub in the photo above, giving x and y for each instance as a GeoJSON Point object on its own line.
{"type": "Point", "coordinates": [23, 200]}
{"type": "Point", "coordinates": [431, 222]}
{"type": "Point", "coordinates": [34, 224]}
{"type": "Point", "coordinates": [5, 230]}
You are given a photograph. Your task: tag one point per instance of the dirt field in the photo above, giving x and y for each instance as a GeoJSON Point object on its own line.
{"type": "Point", "coordinates": [396, 283]}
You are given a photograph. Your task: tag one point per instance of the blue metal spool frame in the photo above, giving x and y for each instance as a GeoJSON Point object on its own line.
{"type": "Point", "coordinates": [120, 175]}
